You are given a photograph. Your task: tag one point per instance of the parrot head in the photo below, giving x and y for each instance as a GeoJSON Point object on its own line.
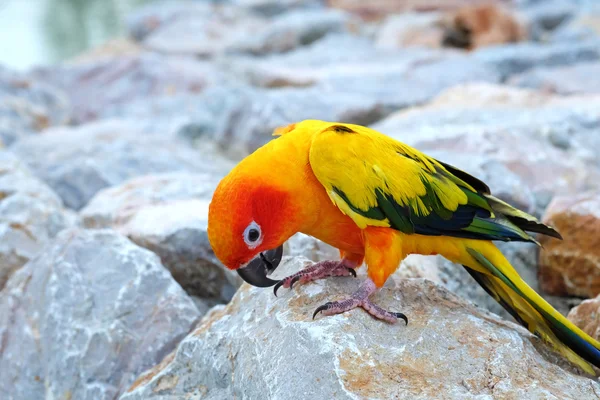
{"type": "Point", "coordinates": [249, 219]}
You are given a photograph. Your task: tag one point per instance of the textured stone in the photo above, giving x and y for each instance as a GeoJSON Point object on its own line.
{"type": "Point", "coordinates": [395, 78]}
{"type": "Point", "coordinates": [504, 124]}
{"type": "Point", "coordinates": [78, 162]}
{"type": "Point", "coordinates": [410, 29]}
{"type": "Point", "coordinates": [572, 79]}
{"type": "Point", "coordinates": [377, 9]}
{"type": "Point", "coordinates": [512, 59]}
{"type": "Point", "coordinates": [572, 266]}
{"type": "Point", "coordinates": [28, 105]}
{"type": "Point", "coordinates": [167, 214]}
{"type": "Point", "coordinates": [31, 214]}
{"type": "Point", "coordinates": [239, 119]}
{"type": "Point", "coordinates": [260, 346]}
{"type": "Point", "coordinates": [121, 79]}
{"type": "Point", "coordinates": [587, 316]}
{"type": "Point", "coordinates": [84, 318]}
{"type": "Point", "coordinates": [208, 30]}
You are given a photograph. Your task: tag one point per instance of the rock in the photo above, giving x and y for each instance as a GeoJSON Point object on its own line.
{"type": "Point", "coordinates": [587, 317]}
{"type": "Point", "coordinates": [31, 214]}
{"type": "Point", "coordinates": [377, 9]}
{"type": "Point", "coordinates": [585, 25]}
{"type": "Point", "coordinates": [410, 29]}
{"type": "Point", "coordinates": [516, 58]}
{"type": "Point", "coordinates": [544, 17]}
{"type": "Point", "coordinates": [474, 26]}
{"type": "Point", "coordinates": [78, 162]}
{"type": "Point", "coordinates": [394, 79]}
{"type": "Point", "coordinates": [504, 124]}
{"type": "Point", "coordinates": [28, 105]}
{"type": "Point", "coordinates": [239, 119]}
{"type": "Point", "coordinates": [118, 47]}
{"type": "Point", "coordinates": [206, 29]}
{"type": "Point", "coordinates": [84, 318]}
{"type": "Point", "coordinates": [572, 266]}
{"type": "Point", "coordinates": [573, 79]}
{"type": "Point", "coordinates": [167, 214]}
{"type": "Point", "coordinates": [272, 7]}
{"type": "Point", "coordinates": [301, 245]}
{"type": "Point", "coordinates": [116, 81]}
{"type": "Point", "coordinates": [260, 346]}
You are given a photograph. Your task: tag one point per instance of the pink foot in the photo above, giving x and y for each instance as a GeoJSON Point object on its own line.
{"type": "Point", "coordinates": [317, 271]}
{"type": "Point", "coordinates": [360, 298]}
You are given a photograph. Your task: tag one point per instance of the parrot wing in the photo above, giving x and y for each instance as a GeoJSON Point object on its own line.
{"type": "Point", "coordinates": [378, 181]}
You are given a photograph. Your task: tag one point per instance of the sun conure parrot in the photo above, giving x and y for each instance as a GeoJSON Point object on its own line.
{"type": "Point", "coordinates": [377, 200]}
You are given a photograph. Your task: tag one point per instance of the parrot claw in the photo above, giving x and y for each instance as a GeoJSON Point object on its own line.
{"type": "Point", "coordinates": [360, 299]}
{"type": "Point", "coordinates": [317, 271]}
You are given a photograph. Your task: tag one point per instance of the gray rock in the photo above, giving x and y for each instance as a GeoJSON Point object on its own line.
{"type": "Point", "coordinates": [544, 17]}
{"type": "Point", "coordinates": [239, 119]}
{"type": "Point", "coordinates": [78, 162]}
{"type": "Point", "coordinates": [119, 80]}
{"type": "Point", "coordinates": [410, 29]}
{"type": "Point", "coordinates": [28, 105]}
{"type": "Point", "coordinates": [84, 318]}
{"type": "Point", "coordinates": [301, 245]}
{"type": "Point", "coordinates": [583, 26]}
{"type": "Point", "coordinates": [273, 7]}
{"type": "Point", "coordinates": [168, 214]}
{"type": "Point", "coordinates": [207, 29]}
{"type": "Point", "coordinates": [260, 346]}
{"type": "Point", "coordinates": [504, 124]}
{"type": "Point", "coordinates": [512, 59]}
{"type": "Point", "coordinates": [572, 79]}
{"type": "Point", "coordinates": [31, 214]}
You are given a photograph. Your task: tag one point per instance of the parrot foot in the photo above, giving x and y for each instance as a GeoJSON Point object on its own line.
{"type": "Point", "coordinates": [316, 271]}
{"type": "Point", "coordinates": [360, 298]}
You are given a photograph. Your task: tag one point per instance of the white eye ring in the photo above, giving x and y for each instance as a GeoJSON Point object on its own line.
{"type": "Point", "coordinates": [253, 235]}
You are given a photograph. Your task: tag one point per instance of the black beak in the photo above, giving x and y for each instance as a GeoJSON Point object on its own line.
{"type": "Point", "coordinates": [256, 271]}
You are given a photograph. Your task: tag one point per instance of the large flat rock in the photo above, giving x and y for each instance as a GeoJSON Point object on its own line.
{"type": "Point", "coordinates": [261, 346]}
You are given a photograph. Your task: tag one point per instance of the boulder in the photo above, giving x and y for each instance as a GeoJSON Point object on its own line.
{"type": "Point", "coordinates": [85, 317]}
{"type": "Point", "coordinates": [550, 142]}
{"type": "Point", "coordinates": [119, 80]}
{"type": "Point", "coordinates": [572, 79]}
{"type": "Point", "coordinates": [572, 266]}
{"type": "Point", "coordinates": [262, 346]}
{"type": "Point", "coordinates": [410, 29]}
{"type": "Point", "coordinates": [511, 59]}
{"type": "Point", "coordinates": [587, 317]}
{"type": "Point", "coordinates": [31, 214]}
{"type": "Point", "coordinates": [167, 214]}
{"type": "Point", "coordinates": [28, 106]}
{"type": "Point", "coordinates": [209, 30]}
{"type": "Point", "coordinates": [78, 162]}
{"type": "Point", "coordinates": [239, 118]}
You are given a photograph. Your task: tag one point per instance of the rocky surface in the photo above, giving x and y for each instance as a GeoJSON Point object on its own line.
{"type": "Point", "coordinates": [135, 134]}
{"type": "Point", "coordinates": [78, 162]}
{"type": "Point", "coordinates": [206, 29]}
{"type": "Point", "coordinates": [587, 316]}
{"type": "Point", "coordinates": [31, 214]}
{"type": "Point", "coordinates": [167, 214]}
{"type": "Point", "coordinates": [119, 80]}
{"type": "Point", "coordinates": [260, 346]}
{"type": "Point", "coordinates": [28, 106]}
{"type": "Point", "coordinates": [572, 266]}
{"type": "Point", "coordinates": [504, 124]}
{"type": "Point", "coordinates": [76, 323]}
{"type": "Point", "coordinates": [572, 79]}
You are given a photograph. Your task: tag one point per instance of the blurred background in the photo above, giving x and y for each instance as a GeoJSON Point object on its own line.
{"type": "Point", "coordinates": [118, 118]}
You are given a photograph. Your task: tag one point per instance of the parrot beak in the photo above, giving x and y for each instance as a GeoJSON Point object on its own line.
{"type": "Point", "coordinates": [256, 271]}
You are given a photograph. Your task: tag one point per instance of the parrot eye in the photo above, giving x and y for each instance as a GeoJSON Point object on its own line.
{"type": "Point", "coordinates": [252, 235]}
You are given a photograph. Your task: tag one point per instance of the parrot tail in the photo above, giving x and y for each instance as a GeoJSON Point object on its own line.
{"type": "Point", "coordinates": [500, 280]}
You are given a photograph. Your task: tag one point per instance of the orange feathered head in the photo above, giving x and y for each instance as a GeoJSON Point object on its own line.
{"type": "Point", "coordinates": [248, 221]}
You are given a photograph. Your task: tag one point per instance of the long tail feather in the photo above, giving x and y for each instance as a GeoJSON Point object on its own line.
{"type": "Point", "coordinates": [503, 283]}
